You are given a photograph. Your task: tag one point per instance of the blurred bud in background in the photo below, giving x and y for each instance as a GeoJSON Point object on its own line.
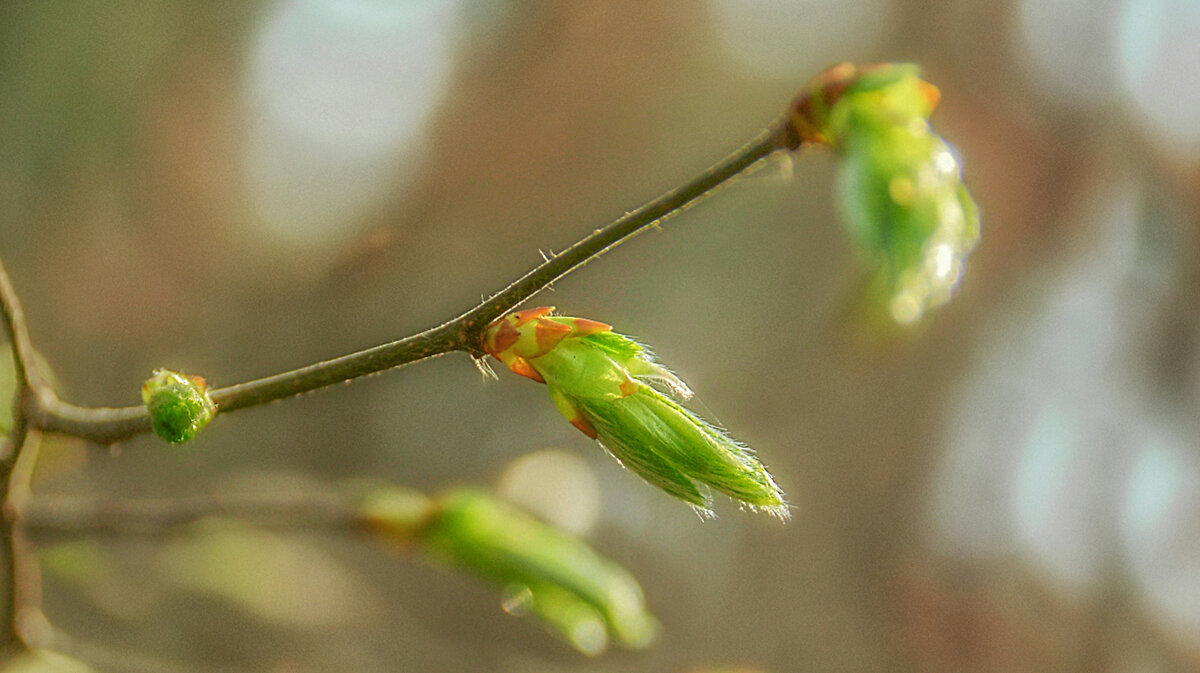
{"type": "Point", "coordinates": [579, 595]}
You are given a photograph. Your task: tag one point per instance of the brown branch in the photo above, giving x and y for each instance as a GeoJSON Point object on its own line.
{"type": "Point", "coordinates": [464, 333]}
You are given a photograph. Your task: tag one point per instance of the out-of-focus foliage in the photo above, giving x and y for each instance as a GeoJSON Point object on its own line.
{"type": "Point", "coordinates": [277, 578]}
{"type": "Point", "coordinates": [580, 595]}
{"type": "Point", "coordinates": [900, 185]}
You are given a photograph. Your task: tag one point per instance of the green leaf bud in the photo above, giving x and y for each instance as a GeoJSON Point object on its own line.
{"type": "Point", "coordinates": [905, 206]}
{"type": "Point", "coordinates": [900, 186]}
{"type": "Point", "coordinates": [579, 595]}
{"type": "Point", "coordinates": [179, 405]}
{"type": "Point", "coordinates": [603, 383]}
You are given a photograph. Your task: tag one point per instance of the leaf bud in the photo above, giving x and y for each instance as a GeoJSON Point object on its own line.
{"type": "Point", "coordinates": [604, 384]}
{"type": "Point", "coordinates": [900, 186]}
{"type": "Point", "coordinates": [179, 405]}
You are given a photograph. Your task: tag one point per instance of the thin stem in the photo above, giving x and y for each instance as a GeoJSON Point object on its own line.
{"type": "Point", "coordinates": [65, 515]}
{"type": "Point", "coordinates": [11, 551]}
{"type": "Point", "coordinates": [16, 470]}
{"type": "Point", "coordinates": [18, 334]}
{"type": "Point", "coordinates": [29, 621]}
{"type": "Point", "coordinates": [601, 240]}
{"type": "Point", "coordinates": [18, 557]}
{"type": "Point", "coordinates": [464, 333]}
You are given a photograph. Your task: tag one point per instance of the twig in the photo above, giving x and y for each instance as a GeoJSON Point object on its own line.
{"type": "Point", "coordinates": [26, 571]}
{"type": "Point", "coordinates": [16, 468]}
{"type": "Point", "coordinates": [464, 333]}
{"type": "Point", "coordinates": [28, 375]}
{"type": "Point", "coordinates": [13, 554]}
{"type": "Point", "coordinates": [70, 515]}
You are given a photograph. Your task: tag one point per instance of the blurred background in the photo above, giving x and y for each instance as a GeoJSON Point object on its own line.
{"type": "Point", "coordinates": [238, 188]}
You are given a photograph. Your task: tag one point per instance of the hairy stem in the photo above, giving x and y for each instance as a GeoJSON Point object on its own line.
{"type": "Point", "coordinates": [464, 333]}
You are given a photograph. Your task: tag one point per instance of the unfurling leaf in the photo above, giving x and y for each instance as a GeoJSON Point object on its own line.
{"type": "Point", "coordinates": [579, 595]}
{"type": "Point", "coordinates": [602, 382]}
{"type": "Point", "coordinates": [900, 185]}
{"type": "Point", "coordinates": [179, 405]}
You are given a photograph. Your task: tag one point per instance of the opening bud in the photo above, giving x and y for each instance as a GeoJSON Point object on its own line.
{"type": "Point", "coordinates": [899, 184]}
{"type": "Point", "coordinates": [179, 405]}
{"type": "Point", "coordinates": [611, 388]}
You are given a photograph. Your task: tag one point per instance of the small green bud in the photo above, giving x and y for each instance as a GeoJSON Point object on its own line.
{"type": "Point", "coordinates": [179, 405]}
{"type": "Point", "coordinates": [579, 595]}
{"type": "Point", "coordinates": [602, 383]}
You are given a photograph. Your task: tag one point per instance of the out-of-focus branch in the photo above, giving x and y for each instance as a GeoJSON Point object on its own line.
{"type": "Point", "coordinates": [70, 515]}
{"type": "Point", "coordinates": [21, 578]}
{"type": "Point", "coordinates": [15, 328]}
